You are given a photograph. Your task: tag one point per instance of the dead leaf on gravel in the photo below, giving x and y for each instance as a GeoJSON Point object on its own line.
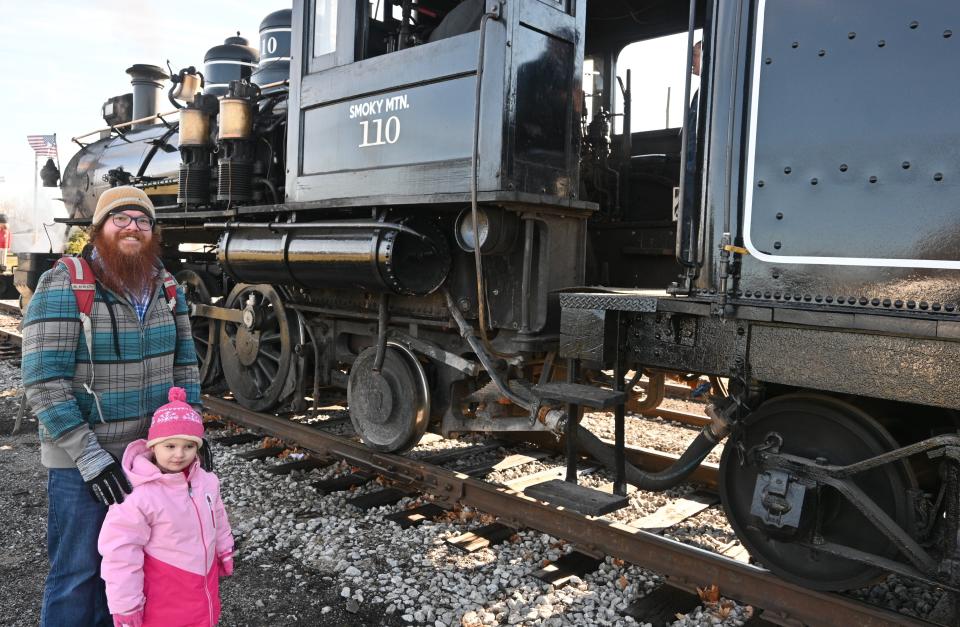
{"type": "Point", "coordinates": [710, 594]}
{"type": "Point", "coordinates": [617, 562]}
{"type": "Point", "coordinates": [622, 582]}
{"type": "Point", "coordinates": [725, 609]}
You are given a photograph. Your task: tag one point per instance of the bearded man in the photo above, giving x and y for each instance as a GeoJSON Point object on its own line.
{"type": "Point", "coordinates": [94, 385]}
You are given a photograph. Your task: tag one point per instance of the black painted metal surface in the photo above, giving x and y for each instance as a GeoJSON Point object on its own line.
{"type": "Point", "coordinates": [854, 172]}
{"type": "Point", "coordinates": [400, 124]}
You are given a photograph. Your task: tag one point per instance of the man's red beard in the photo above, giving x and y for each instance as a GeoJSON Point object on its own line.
{"type": "Point", "coordinates": [126, 272]}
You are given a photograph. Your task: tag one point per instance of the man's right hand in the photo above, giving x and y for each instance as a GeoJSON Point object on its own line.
{"type": "Point", "coordinates": [102, 473]}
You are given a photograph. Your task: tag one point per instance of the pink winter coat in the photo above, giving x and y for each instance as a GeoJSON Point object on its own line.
{"type": "Point", "coordinates": [165, 546]}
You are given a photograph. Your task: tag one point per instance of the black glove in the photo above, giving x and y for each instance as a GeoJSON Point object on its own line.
{"type": "Point", "coordinates": [102, 473]}
{"type": "Point", "coordinates": [110, 485]}
{"type": "Point", "coordinates": [206, 456]}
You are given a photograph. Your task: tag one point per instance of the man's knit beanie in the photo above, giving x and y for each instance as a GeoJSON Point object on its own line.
{"type": "Point", "coordinates": [124, 197]}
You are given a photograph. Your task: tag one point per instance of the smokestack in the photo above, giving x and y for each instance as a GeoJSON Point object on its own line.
{"type": "Point", "coordinates": [147, 81]}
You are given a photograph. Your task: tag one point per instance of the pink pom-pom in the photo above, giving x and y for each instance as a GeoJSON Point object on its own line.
{"type": "Point", "coordinates": [177, 394]}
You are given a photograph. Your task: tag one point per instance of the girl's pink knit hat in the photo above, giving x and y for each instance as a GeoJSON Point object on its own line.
{"type": "Point", "coordinates": [176, 419]}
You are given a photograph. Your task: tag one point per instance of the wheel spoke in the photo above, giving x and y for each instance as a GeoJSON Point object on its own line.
{"type": "Point", "coordinates": [275, 357]}
{"type": "Point", "coordinates": [266, 370]}
{"type": "Point", "coordinates": [271, 337]}
{"type": "Point", "coordinates": [257, 376]}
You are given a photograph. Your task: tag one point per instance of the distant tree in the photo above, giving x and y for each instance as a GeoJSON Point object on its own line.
{"type": "Point", "coordinates": [77, 240]}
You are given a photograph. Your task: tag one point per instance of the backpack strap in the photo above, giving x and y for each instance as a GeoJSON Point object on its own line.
{"type": "Point", "coordinates": [170, 290]}
{"type": "Point", "coordinates": [84, 286]}
{"type": "Point", "coordinates": [82, 282]}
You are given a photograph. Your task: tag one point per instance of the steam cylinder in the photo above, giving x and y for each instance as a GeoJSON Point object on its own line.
{"type": "Point", "coordinates": [147, 81]}
{"type": "Point", "coordinates": [368, 258]}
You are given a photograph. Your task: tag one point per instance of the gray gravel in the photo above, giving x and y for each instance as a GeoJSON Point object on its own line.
{"type": "Point", "coordinates": [304, 558]}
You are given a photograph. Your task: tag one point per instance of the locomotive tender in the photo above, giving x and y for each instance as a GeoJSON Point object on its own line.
{"type": "Point", "coordinates": [417, 202]}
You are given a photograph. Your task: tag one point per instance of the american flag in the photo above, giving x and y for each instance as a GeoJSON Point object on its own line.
{"type": "Point", "coordinates": [43, 145]}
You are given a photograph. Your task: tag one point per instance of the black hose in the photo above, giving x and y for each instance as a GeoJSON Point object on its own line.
{"type": "Point", "coordinates": [643, 480]}
{"type": "Point", "coordinates": [270, 187]}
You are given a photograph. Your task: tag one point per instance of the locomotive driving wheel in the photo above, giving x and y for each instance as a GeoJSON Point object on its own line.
{"type": "Point", "coordinates": [390, 409]}
{"type": "Point", "coordinates": [832, 432]}
{"type": "Point", "coordinates": [205, 330]}
{"type": "Point", "coordinates": [256, 353]}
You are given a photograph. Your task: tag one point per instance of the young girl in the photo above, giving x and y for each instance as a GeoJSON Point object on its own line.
{"type": "Point", "coordinates": [165, 547]}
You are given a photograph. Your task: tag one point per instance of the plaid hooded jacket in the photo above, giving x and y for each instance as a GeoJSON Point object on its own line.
{"type": "Point", "coordinates": [133, 367]}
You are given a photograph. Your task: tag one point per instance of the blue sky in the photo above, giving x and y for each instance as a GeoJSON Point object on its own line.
{"type": "Point", "coordinates": [60, 60]}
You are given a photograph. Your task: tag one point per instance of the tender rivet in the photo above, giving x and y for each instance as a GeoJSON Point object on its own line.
{"type": "Point", "coordinates": [863, 300]}
{"type": "Point", "coordinates": [914, 24]}
{"type": "Point", "coordinates": [814, 181]}
{"type": "Point", "coordinates": [829, 299]}
{"type": "Point", "coordinates": [905, 165]}
{"type": "Point", "coordinates": [898, 303]}
{"type": "Point", "coordinates": [796, 44]}
{"type": "Point", "coordinates": [768, 60]}
{"type": "Point", "coordinates": [886, 302]}
{"type": "Point", "coordinates": [821, 52]}
{"type": "Point", "coordinates": [776, 245]}
{"type": "Point", "coordinates": [924, 304]}
{"type": "Point", "coordinates": [938, 177]}
{"type": "Point", "coordinates": [807, 297]}
{"type": "Point", "coordinates": [947, 34]}
{"type": "Point", "coordinates": [818, 298]}
{"type": "Point", "coordinates": [875, 302]}
{"type": "Point", "coordinates": [760, 183]}
{"type": "Point", "coordinates": [779, 215]}
{"type": "Point", "coordinates": [843, 167]}
{"type": "Point", "coordinates": [911, 304]}
{"type": "Point", "coordinates": [787, 170]}
{"type": "Point", "coordinates": [872, 179]}
{"type": "Point", "coordinates": [950, 307]}
{"type": "Point", "coordinates": [776, 274]}
{"type": "Point", "coordinates": [881, 43]}
{"type": "Point", "coordinates": [776, 295]}
{"type": "Point", "coordinates": [936, 306]}
{"type": "Point", "coordinates": [851, 35]}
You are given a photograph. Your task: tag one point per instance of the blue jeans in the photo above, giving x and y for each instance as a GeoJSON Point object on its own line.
{"type": "Point", "coordinates": [74, 594]}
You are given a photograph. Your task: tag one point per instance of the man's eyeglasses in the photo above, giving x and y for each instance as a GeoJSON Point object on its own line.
{"type": "Point", "coordinates": [122, 221]}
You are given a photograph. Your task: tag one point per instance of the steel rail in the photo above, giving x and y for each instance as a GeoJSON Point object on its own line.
{"type": "Point", "coordinates": [684, 566]}
{"type": "Point", "coordinates": [9, 337]}
{"type": "Point", "coordinates": [10, 307]}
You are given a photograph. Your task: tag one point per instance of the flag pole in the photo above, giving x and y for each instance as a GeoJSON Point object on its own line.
{"type": "Point", "coordinates": [35, 234]}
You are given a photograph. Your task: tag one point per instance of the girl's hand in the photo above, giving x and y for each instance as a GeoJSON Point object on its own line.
{"type": "Point", "coordinates": [134, 619]}
{"type": "Point", "coordinates": [226, 564]}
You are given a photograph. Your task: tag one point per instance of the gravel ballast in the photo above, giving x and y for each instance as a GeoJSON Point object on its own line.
{"type": "Point", "coordinates": [307, 558]}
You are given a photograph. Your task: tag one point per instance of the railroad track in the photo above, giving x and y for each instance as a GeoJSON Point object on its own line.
{"type": "Point", "coordinates": [11, 307]}
{"type": "Point", "coordinates": [10, 344]}
{"type": "Point", "coordinates": [684, 567]}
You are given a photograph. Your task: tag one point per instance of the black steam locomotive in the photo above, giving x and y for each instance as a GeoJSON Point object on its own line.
{"type": "Point", "coordinates": [417, 203]}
